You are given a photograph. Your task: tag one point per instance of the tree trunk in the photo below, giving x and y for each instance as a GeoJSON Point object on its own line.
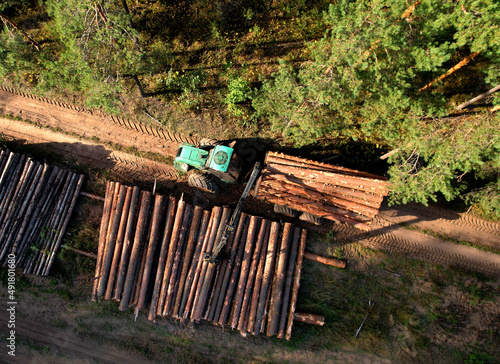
{"type": "Point", "coordinates": [477, 98]}
{"type": "Point", "coordinates": [453, 69]}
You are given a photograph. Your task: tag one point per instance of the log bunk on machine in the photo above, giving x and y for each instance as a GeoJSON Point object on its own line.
{"type": "Point", "coordinates": [331, 192]}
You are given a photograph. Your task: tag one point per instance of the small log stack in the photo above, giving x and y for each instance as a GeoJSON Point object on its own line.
{"type": "Point", "coordinates": [150, 257]}
{"type": "Point", "coordinates": [335, 193]}
{"type": "Point", "coordinates": [36, 203]}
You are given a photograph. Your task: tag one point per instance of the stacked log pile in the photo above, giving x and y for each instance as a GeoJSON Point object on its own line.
{"type": "Point", "coordinates": [151, 257]}
{"type": "Point", "coordinates": [336, 193]}
{"type": "Point", "coordinates": [36, 203]}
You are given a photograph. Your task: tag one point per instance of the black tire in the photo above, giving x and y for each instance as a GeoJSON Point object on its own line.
{"type": "Point", "coordinates": [285, 210]}
{"type": "Point", "coordinates": [208, 142]}
{"type": "Point", "coordinates": [203, 182]}
{"type": "Point", "coordinates": [313, 219]}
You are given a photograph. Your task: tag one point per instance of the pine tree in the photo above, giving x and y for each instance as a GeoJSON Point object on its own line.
{"type": "Point", "coordinates": [364, 80]}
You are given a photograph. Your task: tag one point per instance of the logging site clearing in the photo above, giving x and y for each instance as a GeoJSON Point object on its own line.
{"type": "Point", "coordinates": [420, 283]}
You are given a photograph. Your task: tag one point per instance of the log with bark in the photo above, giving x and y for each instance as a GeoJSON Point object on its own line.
{"type": "Point", "coordinates": [278, 282]}
{"type": "Point", "coordinates": [169, 221]}
{"type": "Point", "coordinates": [296, 283]}
{"type": "Point", "coordinates": [36, 203]}
{"type": "Point", "coordinates": [332, 192]}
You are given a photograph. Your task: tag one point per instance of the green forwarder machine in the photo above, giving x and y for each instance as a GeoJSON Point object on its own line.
{"type": "Point", "coordinates": [214, 164]}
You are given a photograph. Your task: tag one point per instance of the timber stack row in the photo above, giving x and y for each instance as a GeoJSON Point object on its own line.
{"type": "Point", "coordinates": [151, 257]}
{"type": "Point", "coordinates": [36, 203]}
{"type": "Point", "coordinates": [335, 193]}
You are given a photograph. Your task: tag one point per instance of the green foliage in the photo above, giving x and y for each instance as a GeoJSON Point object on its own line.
{"type": "Point", "coordinates": [88, 53]}
{"type": "Point", "coordinates": [188, 83]}
{"type": "Point", "coordinates": [284, 101]}
{"type": "Point", "coordinates": [487, 199]}
{"type": "Point", "coordinates": [17, 59]}
{"type": "Point", "coordinates": [238, 91]}
{"type": "Point", "coordinates": [439, 153]}
{"type": "Point", "coordinates": [364, 82]}
{"type": "Point", "coordinates": [17, 4]}
{"type": "Point", "coordinates": [93, 51]}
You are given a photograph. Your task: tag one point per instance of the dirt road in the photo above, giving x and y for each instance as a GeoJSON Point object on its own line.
{"type": "Point", "coordinates": [85, 135]}
{"type": "Point", "coordinates": [61, 346]}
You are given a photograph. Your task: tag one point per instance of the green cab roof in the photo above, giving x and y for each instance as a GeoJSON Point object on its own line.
{"type": "Point", "coordinates": [188, 153]}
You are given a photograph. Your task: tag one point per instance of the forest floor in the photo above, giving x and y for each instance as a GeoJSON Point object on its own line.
{"type": "Point", "coordinates": [58, 323]}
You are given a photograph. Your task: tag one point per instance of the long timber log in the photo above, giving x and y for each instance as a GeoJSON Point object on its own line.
{"type": "Point", "coordinates": [288, 282]}
{"type": "Point", "coordinates": [228, 298]}
{"type": "Point", "coordinates": [181, 206]}
{"type": "Point", "coordinates": [169, 222]}
{"type": "Point", "coordinates": [56, 215]}
{"type": "Point", "coordinates": [226, 273]}
{"type": "Point", "coordinates": [258, 279]}
{"type": "Point", "coordinates": [309, 318]}
{"type": "Point", "coordinates": [127, 244]}
{"type": "Point", "coordinates": [135, 255]}
{"type": "Point", "coordinates": [302, 204]}
{"type": "Point", "coordinates": [42, 219]}
{"type": "Point", "coordinates": [278, 283]}
{"type": "Point", "coordinates": [64, 224]}
{"type": "Point", "coordinates": [324, 260]}
{"type": "Point", "coordinates": [158, 211]}
{"type": "Point", "coordinates": [119, 244]}
{"type": "Point", "coordinates": [349, 194]}
{"type": "Point", "coordinates": [244, 317]}
{"type": "Point", "coordinates": [137, 278]}
{"type": "Point", "coordinates": [357, 183]}
{"type": "Point", "coordinates": [280, 158]}
{"type": "Point", "coordinates": [173, 283]}
{"type": "Point", "coordinates": [267, 276]}
{"type": "Point", "coordinates": [215, 269]}
{"type": "Point", "coordinates": [186, 261]}
{"type": "Point", "coordinates": [192, 301]}
{"type": "Point", "coordinates": [36, 201]}
{"type": "Point", "coordinates": [245, 266]}
{"type": "Point", "coordinates": [194, 271]}
{"type": "Point", "coordinates": [342, 203]}
{"type": "Point", "coordinates": [23, 213]}
{"type": "Point", "coordinates": [110, 249]}
{"type": "Point", "coordinates": [162, 248]}
{"type": "Point", "coordinates": [296, 283]}
{"type": "Point", "coordinates": [206, 276]}
{"type": "Point", "coordinates": [19, 242]}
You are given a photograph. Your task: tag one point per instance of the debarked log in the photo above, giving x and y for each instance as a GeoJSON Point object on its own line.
{"type": "Point", "coordinates": [324, 260]}
{"type": "Point", "coordinates": [309, 318]}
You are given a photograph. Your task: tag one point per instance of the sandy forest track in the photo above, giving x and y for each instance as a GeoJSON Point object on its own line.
{"type": "Point", "coordinates": [60, 341]}
{"type": "Point", "coordinates": [98, 130]}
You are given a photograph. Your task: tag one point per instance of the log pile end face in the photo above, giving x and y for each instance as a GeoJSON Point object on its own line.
{"type": "Point", "coordinates": [151, 257]}
{"type": "Point", "coordinates": [336, 193]}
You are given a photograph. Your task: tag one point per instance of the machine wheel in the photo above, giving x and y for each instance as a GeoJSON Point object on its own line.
{"type": "Point", "coordinates": [208, 142]}
{"type": "Point", "coordinates": [313, 219]}
{"type": "Point", "coordinates": [285, 210]}
{"type": "Point", "coordinates": [203, 182]}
